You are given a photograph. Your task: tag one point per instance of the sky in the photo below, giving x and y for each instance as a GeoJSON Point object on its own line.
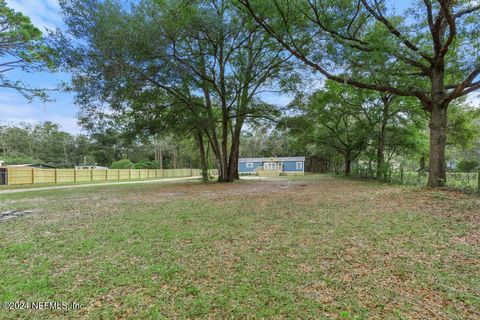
{"type": "Point", "coordinates": [45, 14]}
{"type": "Point", "coordinates": [13, 107]}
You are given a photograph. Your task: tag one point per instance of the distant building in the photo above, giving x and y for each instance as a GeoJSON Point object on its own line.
{"type": "Point", "coordinates": [1, 163]}
{"type": "Point", "coordinates": [272, 165]}
{"type": "Point", "coordinates": [90, 167]}
{"type": "Point", "coordinates": [5, 169]}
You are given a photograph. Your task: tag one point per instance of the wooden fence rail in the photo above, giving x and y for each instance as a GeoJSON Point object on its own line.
{"type": "Point", "coordinates": [15, 176]}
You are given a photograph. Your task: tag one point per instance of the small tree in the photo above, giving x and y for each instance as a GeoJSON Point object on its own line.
{"type": "Point", "coordinates": [147, 164]}
{"type": "Point", "coordinates": [339, 124]}
{"type": "Point", "coordinates": [122, 164]}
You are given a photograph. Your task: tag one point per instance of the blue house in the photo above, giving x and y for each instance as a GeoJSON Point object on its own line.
{"type": "Point", "coordinates": [272, 166]}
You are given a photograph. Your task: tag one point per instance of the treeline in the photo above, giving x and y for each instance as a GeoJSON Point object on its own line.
{"type": "Point", "coordinates": [338, 128]}
{"type": "Point", "coordinates": [198, 69]}
{"type": "Point", "coordinates": [45, 143]}
{"type": "Point", "coordinates": [343, 126]}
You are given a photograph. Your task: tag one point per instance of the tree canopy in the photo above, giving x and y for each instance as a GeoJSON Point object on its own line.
{"type": "Point", "coordinates": [428, 52]}
{"type": "Point", "coordinates": [23, 48]}
{"type": "Point", "coordinates": [192, 66]}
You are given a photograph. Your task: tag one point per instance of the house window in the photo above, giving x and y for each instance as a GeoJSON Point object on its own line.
{"type": "Point", "coordinates": [299, 166]}
{"type": "Point", "coordinates": [270, 166]}
{"type": "Point", "coordinates": [249, 164]}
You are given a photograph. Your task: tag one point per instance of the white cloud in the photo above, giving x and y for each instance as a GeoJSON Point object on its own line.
{"type": "Point", "coordinates": [15, 109]}
{"type": "Point", "coordinates": [10, 111]}
{"type": "Point", "coordinates": [45, 14]}
{"type": "Point", "coordinates": [276, 99]}
{"type": "Point", "coordinates": [68, 124]}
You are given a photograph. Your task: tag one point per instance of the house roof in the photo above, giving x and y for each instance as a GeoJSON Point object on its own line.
{"type": "Point", "coordinates": [272, 159]}
{"type": "Point", "coordinates": [35, 165]}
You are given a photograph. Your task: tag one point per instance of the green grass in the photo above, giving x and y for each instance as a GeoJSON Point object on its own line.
{"type": "Point", "coordinates": [297, 247]}
{"type": "Point", "coordinates": [461, 181]}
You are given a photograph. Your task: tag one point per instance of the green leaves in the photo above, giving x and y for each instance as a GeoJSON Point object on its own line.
{"type": "Point", "coordinates": [22, 47]}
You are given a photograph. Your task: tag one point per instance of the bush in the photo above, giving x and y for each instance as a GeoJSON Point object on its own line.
{"type": "Point", "coordinates": [122, 164]}
{"type": "Point", "coordinates": [147, 164]}
{"type": "Point", "coordinates": [468, 165]}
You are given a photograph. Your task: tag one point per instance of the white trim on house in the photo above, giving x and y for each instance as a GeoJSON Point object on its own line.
{"type": "Point", "coordinates": [249, 165]}
{"type": "Point", "coordinates": [299, 165]}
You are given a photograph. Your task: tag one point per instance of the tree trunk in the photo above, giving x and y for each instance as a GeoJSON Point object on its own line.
{"type": "Point", "coordinates": [438, 134]}
{"type": "Point", "coordinates": [380, 160]}
{"type": "Point", "coordinates": [160, 157]}
{"type": "Point", "coordinates": [234, 163]}
{"type": "Point", "coordinates": [175, 158]}
{"type": "Point", "coordinates": [386, 101]}
{"type": "Point", "coordinates": [348, 164]}
{"type": "Point", "coordinates": [381, 151]}
{"type": "Point", "coordinates": [235, 150]}
{"type": "Point", "coordinates": [422, 163]}
{"type": "Point", "coordinates": [203, 159]}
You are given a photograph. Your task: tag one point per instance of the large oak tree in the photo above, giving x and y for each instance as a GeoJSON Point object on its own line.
{"type": "Point", "coordinates": [430, 52]}
{"type": "Point", "coordinates": [197, 65]}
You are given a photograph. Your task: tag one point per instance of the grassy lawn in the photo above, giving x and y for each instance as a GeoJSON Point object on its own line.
{"type": "Point", "coordinates": [297, 247]}
{"type": "Point", "coordinates": [66, 184]}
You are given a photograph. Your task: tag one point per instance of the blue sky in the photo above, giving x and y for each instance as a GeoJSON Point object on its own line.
{"type": "Point", "coordinates": [45, 14]}
{"type": "Point", "coordinates": [13, 107]}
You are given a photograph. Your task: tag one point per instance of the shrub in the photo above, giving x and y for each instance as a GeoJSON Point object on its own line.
{"type": "Point", "coordinates": [122, 164]}
{"type": "Point", "coordinates": [468, 165]}
{"type": "Point", "coordinates": [147, 164]}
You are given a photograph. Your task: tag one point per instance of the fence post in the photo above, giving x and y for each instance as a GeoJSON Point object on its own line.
{"type": "Point", "coordinates": [91, 174]}
{"type": "Point", "coordinates": [74, 175]}
{"type": "Point", "coordinates": [56, 176]}
{"type": "Point", "coordinates": [33, 176]}
{"type": "Point", "coordinates": [118, 174]}
{"type": "Point", "coordinates": [106, 174]}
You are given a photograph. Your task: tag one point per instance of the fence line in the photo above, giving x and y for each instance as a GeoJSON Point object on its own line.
{"type": "Point", "coordinates": [16, 176]}
{"type": "Point", "coordinates": [463, 181]}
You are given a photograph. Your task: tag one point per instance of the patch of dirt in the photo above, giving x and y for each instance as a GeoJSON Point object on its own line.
{"type": "Point", "coordinates": [14, 214]}
{"type": "Point", "coordinates": [159, 193]}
